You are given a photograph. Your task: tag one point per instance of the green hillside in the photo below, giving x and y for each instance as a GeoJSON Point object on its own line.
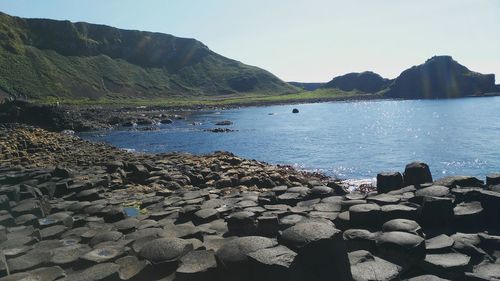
{"type": "Point", "coordinates": [46, 59]}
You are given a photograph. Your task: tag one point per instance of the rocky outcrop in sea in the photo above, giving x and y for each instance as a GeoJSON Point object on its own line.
{"type": "Point", "coordinates": [71, 209]}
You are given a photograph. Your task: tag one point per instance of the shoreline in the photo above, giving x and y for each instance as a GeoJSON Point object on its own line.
{"type": "Point", "coordinates": [78, 209]}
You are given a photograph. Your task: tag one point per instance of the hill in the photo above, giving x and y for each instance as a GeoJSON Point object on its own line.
{"type": "Point", "coordinates": [440, 77]}
{"type": "Point", "coordinates": [367, 82]}
{"type": "Point", "coordinates": [41, 58]}
{"type": "Point", "coordinates": [307, 86]}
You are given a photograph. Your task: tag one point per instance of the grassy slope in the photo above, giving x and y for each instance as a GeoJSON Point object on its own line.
{"type": "Point", "coordinates": [254, 98]}
{"type": "Point", "coordinates": [47, 75]}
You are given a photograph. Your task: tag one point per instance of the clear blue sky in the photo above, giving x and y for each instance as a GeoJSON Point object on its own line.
{"type": "Point", "coordinates": [306, 40]}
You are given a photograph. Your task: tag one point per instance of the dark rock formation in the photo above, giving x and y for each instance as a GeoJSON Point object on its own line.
{"type": "Point", "coordinates": [440, 77]}
{"type": "Point", "coordinates": [220, 217]}
{"type": "Point", "coordinates": [367, 82]}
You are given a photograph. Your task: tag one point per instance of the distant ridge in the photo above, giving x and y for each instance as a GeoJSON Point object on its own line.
{"type": "Point", "coordinates": [439, 77]}
{"type": "Point", "coordinates": [308, 86]}
{"type": "Point", "coordinates": [42, 57]}
{"type": "Point", "coordinates": [367, 82]}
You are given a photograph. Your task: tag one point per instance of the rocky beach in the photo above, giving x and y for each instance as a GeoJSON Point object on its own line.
{"type": "Point", "coordinates": [77, 210]}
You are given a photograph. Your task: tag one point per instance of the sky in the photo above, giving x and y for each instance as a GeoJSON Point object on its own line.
{"type": "Point", "coordinates": [306, 40]}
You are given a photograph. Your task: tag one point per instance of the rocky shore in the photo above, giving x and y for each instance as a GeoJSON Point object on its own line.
{"type": "Point", "coordinates": [71, 209]}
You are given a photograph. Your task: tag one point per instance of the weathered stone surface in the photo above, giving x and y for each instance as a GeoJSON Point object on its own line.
{"type": "Point", "coordinates": [99, 272]}
{"type": "Point", "coordinates": [468, 216]}
{"type": "Point", "coordinates": [39, 274]}
{"type": "Point", "coordinates": [131, 267]}
{"type": "Point", "coordinates": [360, 239]}
{"type": "Point", "coordinates": [449, 265]}
{"type": "Point", "coordinates": [417, 173]}
{"type": "Point", "coordinates": [66, 256]}
{"type": "Point", "coordinates": [103, 254]}
{"type": "Point", "coordinates": [233, 259]}
{"type": "Point", "coordinates": [433, 191]}
{"type": "Point", "coordinates": [366, 267]}
{"type": "Point", "coordinates": [242, 223]}
{"type": "Point", "coordinates": [493, 179]}
{"type": "Point", "coordinates": [365, 215]}
{"type": "Point", "coordinates": [462, 181]}
{"type": "Point", "coordinates": [401, 248]}
{"type": "Point", "coordinates": [436, 212]}
{"type": "Point", "coordinates": [427, 278]}
{"type": "Point", "coordinates": [487, 270]}
{"type": "Point", "coordinates": [197, 265]}
{"type": "Point", "coordinates": [389, 181]}
{"type": "Point", "coordinates": [165, 250]}
{"type": "Point", "coordinates": [402, 225]}
{"type": "Point", "coordinates": [439, 243]}
{"type": "Point", "coordinates": [273, 263]}
{"type": "Point", "coordinates": [321, 250]}
{"type": "Point", "coordinates": [104, 237]}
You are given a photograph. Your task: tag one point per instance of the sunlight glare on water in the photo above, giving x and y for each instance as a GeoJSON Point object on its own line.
{"type": "Point", "coordinates": [354, 140]}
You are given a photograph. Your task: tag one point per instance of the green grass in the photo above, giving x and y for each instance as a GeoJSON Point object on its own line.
{"type": "Point", "coordinates": [51, 60]}
{"type": "Point", "coordinates": [247, 99]}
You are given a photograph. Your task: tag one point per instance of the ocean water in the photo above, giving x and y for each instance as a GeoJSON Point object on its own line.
{"type": "Point", "coordinates": [348, 140]}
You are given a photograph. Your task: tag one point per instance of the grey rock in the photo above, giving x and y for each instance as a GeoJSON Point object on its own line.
{"type": "Point", "coordinates": [165, 250]}
{"type": "Point", "coordinates": [402, 248]}
{"type": "Point", "coordinates": [389, 181]}
{"type": "Point", "coordinates": [366, 267]}
{"type": "Point", "coordinates": [99, 272]}
{"type": "Point", "coordinates": [417, 173]}
{"type": "Point", "coordinates": [402, 225]}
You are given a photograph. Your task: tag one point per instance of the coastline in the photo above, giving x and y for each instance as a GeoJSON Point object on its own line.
{"type": "Point", "coordinates": [114, 208]}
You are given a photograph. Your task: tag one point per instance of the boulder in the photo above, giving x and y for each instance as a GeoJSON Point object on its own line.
{"type": "Point", "coordinates": [467, 216]}
{"type": "Point", "coordinates": [321, 251]}
{"type": "Point", "coordinates": [439, 243]}
{"type": "Point", "coordinates": [131, 267]}
{"type": "Point", "coordinates": [402, 248]}
{"type": "Point", "coordinates": [389, 181]}
{"type": "Point", "coordinates": [233, 256]}
{"type": "Point", "coordinates": [39, 274]}
{"type": "Point", "coordinates": [99, 272]}
{"type": "Point", "coordinates": [487, 271]}
{"type": "Point", "coordinates": [273, 263]}
{"type": "Point", "coordinates": [103, 254]}
{"type": "Point", "coordinates": [68, 255]}
{"type": "Point", "coordinates": [367, 267]}
{"type": "Point", "coordinates": [242, 223]}
{"type": "Point", "coordinates": [460, 181]}
{"type": "Point", "coordinates": [449, 265]}
{"type": "Point", "coordinates": [417, 173]}
{"type": "Point", "coordinates": [436, 212]}
{"type": "Point", "coordinates": [165, 250]}
{"type": "Point", "coordinates": [402, 225]}
{"type": "Point", "coordinates": [360, 239]}
{"type": "Point", "coordinates": [365, 215]}
{"type": "Point", "coordinates": [197, 265]}
{"type": "Point", "coordinates": [493, 179]}
{"type": "Point", "coordinates": [427, 277]}
{"type": "Point", "coordinates": [433, 191]}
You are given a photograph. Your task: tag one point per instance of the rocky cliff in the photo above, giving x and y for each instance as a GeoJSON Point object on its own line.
{"type": "Point", "coordinates": [40, 57]}
{"type": "Point", "coordinates": [367, 82]}
{"type": "Point", "coordinates": [440, 77]}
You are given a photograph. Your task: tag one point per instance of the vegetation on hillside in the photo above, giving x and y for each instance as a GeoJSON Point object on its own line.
{"type": "Point", "coordinates": [46, 58]}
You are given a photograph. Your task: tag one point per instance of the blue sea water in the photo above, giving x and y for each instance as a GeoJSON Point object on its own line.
{"type": "Point", "coordinates": [351, 140]}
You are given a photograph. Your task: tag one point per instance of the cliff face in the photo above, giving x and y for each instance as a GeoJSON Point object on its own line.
{"type": "Point", "coordinates": [40, 57]}
{"type": "Point", "coordinates": [368, 82]}
{"type": "Point", "coordinates": [440, 77]}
